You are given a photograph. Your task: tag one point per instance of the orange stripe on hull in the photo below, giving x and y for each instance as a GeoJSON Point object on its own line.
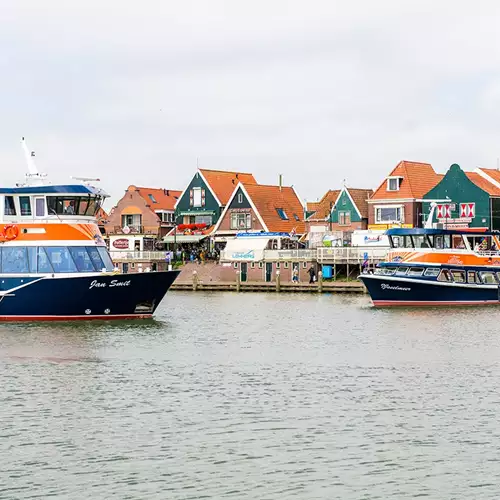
{"type": "Point", "coordinates": [58, 232]}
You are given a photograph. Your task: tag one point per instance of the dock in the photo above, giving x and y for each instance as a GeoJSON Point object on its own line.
{"type": "Point", "coordinates": [226, 286]}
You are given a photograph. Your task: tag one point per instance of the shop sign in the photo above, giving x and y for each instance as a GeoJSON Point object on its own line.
{"type": "Point", "coordinates": [121, 244]}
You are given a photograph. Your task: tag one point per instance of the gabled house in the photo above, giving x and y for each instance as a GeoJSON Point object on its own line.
{"type": "Point", "coordinates": [262, 208]}
{"type": "Point", "coordinates": [206, 195]}
{"type": "Point", "coordinates": [350, 210]}
{"type": "Point", "coordinates": [318, 213]}
{"type": "Point", "coordinates": [397, 202]}
{"type": "Point", "coordinates": [466, 199]}
{"type": "Point", "coordinates": [141, 218]}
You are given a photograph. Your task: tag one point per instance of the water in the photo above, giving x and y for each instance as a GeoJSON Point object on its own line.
{"type": "Point", "coordinates": [254, 396]}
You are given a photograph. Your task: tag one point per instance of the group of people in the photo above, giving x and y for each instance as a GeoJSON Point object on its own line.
{"type": "Point", "coordinates": [199, 255]}
{"type": "Point", "coordinates": [311, 271]}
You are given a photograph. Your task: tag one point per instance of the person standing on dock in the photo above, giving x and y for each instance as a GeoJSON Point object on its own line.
{"type": "Point", "coordinates": [312, 274]}
{"type": "Point", "coordinates": [295, 277]}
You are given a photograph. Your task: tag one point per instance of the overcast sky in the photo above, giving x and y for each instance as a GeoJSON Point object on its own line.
{"type": "Point", "coordinates": [321, 91]}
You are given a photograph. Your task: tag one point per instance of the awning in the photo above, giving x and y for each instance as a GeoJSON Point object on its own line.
{"type": "Point", "coordinates": [184, 238]}
{"type": "Point", "coordinates": [245, 249]}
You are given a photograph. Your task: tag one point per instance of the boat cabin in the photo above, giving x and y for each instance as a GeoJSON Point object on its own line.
{"type": "Point", "coordinates": [479, 242]}
{"type": "Point", "coordinates": [23, 204]}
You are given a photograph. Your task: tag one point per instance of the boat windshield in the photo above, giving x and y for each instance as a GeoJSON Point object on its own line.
{"type": "Point", "coordinates": [73, 205]}
{"type": "Point", "coordinates": [437, 241]}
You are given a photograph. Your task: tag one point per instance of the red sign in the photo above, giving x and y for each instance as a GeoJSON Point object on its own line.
{"type": "Point", "coordinates": [468, 210]}
{"type": "Point", "coordinates": [122, 243]}
{"type": "Point", "coordinates": [444, 212]}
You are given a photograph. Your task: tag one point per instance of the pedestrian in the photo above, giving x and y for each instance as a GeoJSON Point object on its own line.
{"type": "Point", "coordinates": [295, 278]}
{"type": "Point", "coordinates": [312, 274]}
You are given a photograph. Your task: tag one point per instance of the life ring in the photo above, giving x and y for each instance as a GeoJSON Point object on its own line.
{"type": "Point", "coordinates": [10, 232]}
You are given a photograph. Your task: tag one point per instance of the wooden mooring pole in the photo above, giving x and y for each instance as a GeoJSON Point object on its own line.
{"type": "Point", "coordinates": [278, 281]}
{"type": "Point", "coordinates": [195, 281]}
{"type": "Point", "coordinates": [238, 281]}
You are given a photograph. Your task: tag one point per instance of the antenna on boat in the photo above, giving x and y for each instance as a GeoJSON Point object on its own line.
{"type": "Point", "coordinates": [85, 180]}
{"type": "Point", "coordinates": [33, 177]}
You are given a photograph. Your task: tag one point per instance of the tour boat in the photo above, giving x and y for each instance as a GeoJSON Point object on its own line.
{"type": "Point", "coordinates": [54, 263]}
{"type": "Point", "coordinates": [434, 267]}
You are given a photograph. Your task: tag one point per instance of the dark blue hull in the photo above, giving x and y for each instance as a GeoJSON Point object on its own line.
{"type": "Point", "coordinates": [392, 291]}
{"type": "Point", "coordinates": [103, 296]}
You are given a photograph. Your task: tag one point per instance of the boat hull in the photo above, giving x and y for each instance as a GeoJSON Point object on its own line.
{"type": "Point", "coordinates": [392, 291]}
{"type": "Point", "coordinates": [103, 296]}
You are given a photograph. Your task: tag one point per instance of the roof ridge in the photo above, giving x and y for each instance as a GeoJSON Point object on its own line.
{"type": "Point", "coordinates": [224, 171]}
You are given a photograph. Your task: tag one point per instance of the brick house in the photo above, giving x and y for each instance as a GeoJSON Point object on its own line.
{"type": "Point", "coordinates": [318, 213]}
{"type": "Point", "coordinates": [141, 218]}
{"type": "Point", "coordinates": [397, 202]}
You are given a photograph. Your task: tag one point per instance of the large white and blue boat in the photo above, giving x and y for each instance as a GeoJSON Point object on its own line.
{"type": "Point", "coordinates": [54, 264]}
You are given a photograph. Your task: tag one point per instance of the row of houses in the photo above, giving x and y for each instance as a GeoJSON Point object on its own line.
{"type": "Point", "coordinates": [216, 205]}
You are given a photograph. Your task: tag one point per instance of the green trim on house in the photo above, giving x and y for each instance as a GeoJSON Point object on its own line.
{"type": "Point", "coordinates": [456, 186]}
{"type": "Point", "coordinates": [211, 205]}
{"type": "Point", "coordinates": [344, 204]}
{"type": "Point", "coordinates": [235, 203]}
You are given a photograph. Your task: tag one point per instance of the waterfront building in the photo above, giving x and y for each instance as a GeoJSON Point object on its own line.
{"type": "Point", "coordinates": [397, 202]}
{"type": "Point", "coordinates": [201, 204]}
{"type": "Point", "coordinates": [262, 225]}
{"type": "Point", "coordinates": [136, 225]}
{"type": "Point", "coordinates": [337, 215]}
{"type": "Point", "coordinates": [466, 199]}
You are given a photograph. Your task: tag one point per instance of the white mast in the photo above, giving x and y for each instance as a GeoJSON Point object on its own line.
{"type": "Point", "coordinates": [33, 177]}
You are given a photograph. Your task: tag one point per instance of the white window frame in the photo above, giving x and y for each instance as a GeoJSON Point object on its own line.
{"type": "Point", "coordinates": [197, 198]}
{"type": "Point", "coordinates": [240, 197]}
{"type": "Point", "coordinates": [235, 220]}
{"type": "Point", "coordinates": [397, 179]}
{"type": "Point", "coordinates": [344, 213]}
{"type": "Point", "coordinates": [401, 214]}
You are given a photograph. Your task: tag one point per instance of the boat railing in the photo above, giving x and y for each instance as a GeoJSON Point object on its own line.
{"type": "Point", "coordinates": [145, 256]}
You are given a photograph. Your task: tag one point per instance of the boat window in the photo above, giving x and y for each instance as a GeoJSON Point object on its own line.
{"type": "Point", "coordinates": [15, 260]}
{"type": "Point", "coordinates": [10, 207]}
{"type": "Point", "coordinates": [457, 241]}
{"type": "Point", "coordinates": [402, 241]}
{"type": "Point", "coordinates": [43, 263]}
{"type": "Point", "coordinates": [108, 263]}
{"type": "Point", "coordinates": [472, 277]}
{"type": "Point", "coordinates": [420, 241]}
{"type": "Point", "coordinates": [73, 205]}
{"type": "Point", "coordinates": [40, 207]}
{"type": "Point", "coordinates": [96, 258]}
{"type": "Point", "coordinates": [378, 270]}
{"type": "Point", "coordinates": [388, 271]}
{"type": "Point", "coordinates": [442, 241]}
{"type": "Point", "coordinates": [25, 204]}
{"type": "Point", "coordinates": [396, 241]}
{"type": "Point", "coordinates": [61, 259]}
{"type": "Point", "coordinates": [432, 271]}
{"type": "Point", "coordinates": [488, 278]}
{"type": "Point", "coordinates": [31, 258]}
{"type": "Point", "coordinates": [82, 259]}
{"type": "Point", "coordinates": [458, 276]}
{"type": "Point", "coordinates": [416, 271]}
{"type": "Point", "coordinates": [444, 275]}
{"type": "Point", "coordinates": [401, 270]}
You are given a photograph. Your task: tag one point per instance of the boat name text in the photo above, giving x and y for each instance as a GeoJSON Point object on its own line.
{"type": "Point", "coordinates": [385, 286]}
{"type": "Point", "coordinates": [112, 284]}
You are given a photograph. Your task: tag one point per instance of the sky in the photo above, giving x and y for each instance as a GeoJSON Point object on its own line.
{"type": "Point", "coordinates": [323, 92]}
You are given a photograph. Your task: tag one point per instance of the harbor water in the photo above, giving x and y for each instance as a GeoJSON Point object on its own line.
{"type": "Point", "coordinates": [254, 396]}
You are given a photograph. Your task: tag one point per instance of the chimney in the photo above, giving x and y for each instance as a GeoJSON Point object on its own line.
{"type": "Point", "coordinates": [237, 176]}
{"type": "Point", "coordinates": [280, 181]}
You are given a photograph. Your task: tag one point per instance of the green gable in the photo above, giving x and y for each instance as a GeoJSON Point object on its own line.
{"type": "Point", "coordinates": [344, 204]}
{"type": "Point", "coordinates": [240, 200]}
{"type": "Point", "coordinates": [210, 207]}
{"type": "Point", "coordinates": [456, 186]}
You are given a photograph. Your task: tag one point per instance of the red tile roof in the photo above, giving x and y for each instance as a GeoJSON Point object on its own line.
{"type": "Point", "coordinates": [223, 182]}
{"type": "Point", "coordinates": [483, 183]}
{"type": "Point", "coordinates": [417, 180]}
{"type": "Point", "coordinates": [165, 198]}
{"type": "Point", "coordinates": [360, 198]}
{"type": "Point", "coordinates": [493, 173]}
{"type": "Point", "coordinates": [324, 206]}
{"type": "Point", "coordinates": [269, 198]}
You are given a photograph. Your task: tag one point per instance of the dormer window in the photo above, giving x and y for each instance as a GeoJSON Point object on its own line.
{"type": "Point", "coordinates": [393, 183]}
{"type": "Point", "coordinates": [152, 198]}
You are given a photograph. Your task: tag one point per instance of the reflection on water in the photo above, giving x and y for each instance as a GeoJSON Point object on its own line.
{"type": "Point", "coordinates": [261, 396]}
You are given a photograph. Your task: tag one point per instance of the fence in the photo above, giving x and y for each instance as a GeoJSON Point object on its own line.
{"type": "Point", "coordinates": [146, 256]}
{"type": "Point", "coordinates": [351, 255]}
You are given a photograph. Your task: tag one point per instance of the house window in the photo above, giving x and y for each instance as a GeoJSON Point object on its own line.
{"type": "Point", "coordinates": [261, 265]}
{"type": "Point", "coordinates": [393, 184]}
{"type": "Point", "coordinates": [277, 265]}
{"type": "Point", "coordinates": [10, 208]}
{"type": "Point", "coordinates": [132, 221]}
{"type": "Point", "coordinates": [383, 215]}
{"type": "Point", "coordinates": [282, 214]}
{"type": "Point", "coordinates": [252, 265]}
{"type": "Point", "coordinates": [344, 218]}
{"type": "Point", "coordinates": [235, 265]}
{"type": "Point", "coordinates": [240, 198]}
{"type": "Point", "coordinates": [25, 203]}
{"type": "Point", "coordinates": [285, 265]}
{"type": "Point", "coordinates": [197, 197]}
{"type": "Point", "coordinates": [296, 217]}
{"type": "Point", "coordinates": [241, 220]}
{"type": "Point", "coordinates": [152, 198]}
{"type": "Point", "coordinates": [344, 201]}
